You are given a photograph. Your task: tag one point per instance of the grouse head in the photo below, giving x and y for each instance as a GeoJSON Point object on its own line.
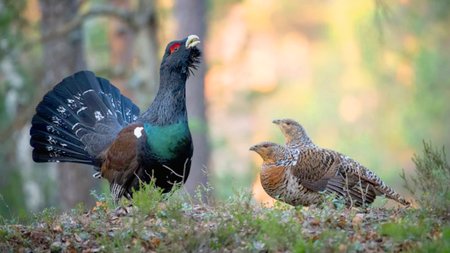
{"type": "Point", "coordinates": [182, 56]}
{"type": "Point", "coordinates": [293, 132]}
{"type": "Point", "coordinates": [270, 152]}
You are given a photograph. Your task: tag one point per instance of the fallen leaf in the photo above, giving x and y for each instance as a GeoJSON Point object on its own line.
{"type": "Point", "coordinates": [155, 242]}
{"type": "Point", "coordinates": [357, 220]}
{"type": "Point", "coordinates": [57, 229]}
{"type": "Point", "coordinates": [314, 222]}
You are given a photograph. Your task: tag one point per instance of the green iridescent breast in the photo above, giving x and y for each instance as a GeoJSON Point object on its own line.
{"type": "Point", "coordinates": [165, 140]}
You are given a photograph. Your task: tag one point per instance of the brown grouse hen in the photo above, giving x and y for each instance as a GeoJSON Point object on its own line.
{"type": "Point", "coordinates": [303, 165]}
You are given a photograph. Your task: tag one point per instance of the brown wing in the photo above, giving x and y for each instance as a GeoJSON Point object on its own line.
{"type": "Point", "coordinates": [356, 191]}
{"type": "Point", "coordinates": [120, 159]}
{"type": "Point", "coordinates": [325, 170]}
{"type": "Point", "coordinates": [315, 167]}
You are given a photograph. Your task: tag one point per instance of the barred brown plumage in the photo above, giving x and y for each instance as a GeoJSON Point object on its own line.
{"type": "Point", "coordinates": [320, 169]}
{"type": "Point", "coordinates": [277, 179]}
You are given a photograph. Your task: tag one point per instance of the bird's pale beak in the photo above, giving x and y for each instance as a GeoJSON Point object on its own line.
{"type": "Point", "coordinates": [276, 121]}
{"type": "Point", "coordinates": [192, 41]}
{"type": "Point", "coordinates": [252, 148]}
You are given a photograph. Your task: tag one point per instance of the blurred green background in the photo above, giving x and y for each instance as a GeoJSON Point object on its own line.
{"type": "Point", "coordinates": [369, 79]}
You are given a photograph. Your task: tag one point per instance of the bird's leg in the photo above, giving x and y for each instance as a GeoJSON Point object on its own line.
{"type": "Point", "coordinates": [117, 191]}
{"type": "Point", "coordinates": [123, 210]}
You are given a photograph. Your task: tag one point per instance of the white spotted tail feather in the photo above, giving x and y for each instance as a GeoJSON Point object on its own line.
{"type": "Point", "coordinates": [78, 119]}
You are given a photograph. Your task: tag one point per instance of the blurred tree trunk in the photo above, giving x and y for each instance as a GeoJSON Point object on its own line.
{"type": "Point", "coordinates": [62, 56]}
{"type": "Point", "coordinates": [121, 40]}
{"type": "Point", "coordinates": [147, 54]}
{"type": "Point", "coordinates": [134, 51]}
{"type": "Point", "coordinates": [190, 15]}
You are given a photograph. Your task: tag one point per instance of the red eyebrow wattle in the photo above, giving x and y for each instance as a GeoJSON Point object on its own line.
{"type": "Point", "coordinates": [174, 47]}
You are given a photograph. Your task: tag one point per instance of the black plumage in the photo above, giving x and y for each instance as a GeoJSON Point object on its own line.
{"type": "Point", "coordinates": [78, 119]}
{"type": "Point", "coordinates": [85, 119]}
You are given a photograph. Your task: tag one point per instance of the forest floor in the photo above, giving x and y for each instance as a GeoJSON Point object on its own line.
{"type": "Point", "coordinates": [173, 223]}
{"type": "Point", "coordinates": [176, 222]}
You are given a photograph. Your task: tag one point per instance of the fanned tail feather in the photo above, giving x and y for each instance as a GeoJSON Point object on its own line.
{"type": "Point", "coordinates": [79, 119]}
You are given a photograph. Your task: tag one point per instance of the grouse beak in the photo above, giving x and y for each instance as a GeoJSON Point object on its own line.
{"type": "Point", "coordinates": [192, 41]}
{"type": "Point", "coordinates": [276, 121]}
{"type": "Point", "coordinates": [253, 148]}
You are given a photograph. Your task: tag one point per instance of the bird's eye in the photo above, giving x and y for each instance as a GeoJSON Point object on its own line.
{"type": "Point", "coordinates": [174, 47]}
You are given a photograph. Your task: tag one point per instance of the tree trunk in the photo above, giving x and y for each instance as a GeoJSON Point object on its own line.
{"type": "Point", "coordinates": [64, 55]}
{"type": "Point", "coordinates": [147, 55]}
{"type": "Point", "coordinates": [190, 15]}
{"type": "Point", "coordinates": [121, 41]}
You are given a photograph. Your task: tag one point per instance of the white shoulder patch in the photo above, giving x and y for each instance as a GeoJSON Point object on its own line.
{"type": "Point", "coordinates": [138, 132]}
